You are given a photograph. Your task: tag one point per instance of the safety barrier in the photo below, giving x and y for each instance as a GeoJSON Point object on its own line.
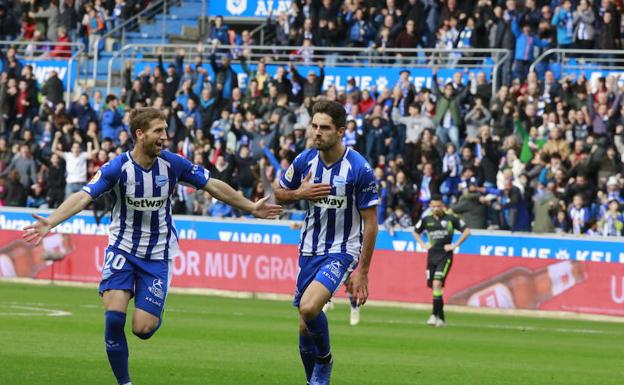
{"type": "Point", "coordinates": [492, 269]}
{"type": "Point", "coordinates": [122, 29]}
{"type": "Point", "coordinates": [353, 60]}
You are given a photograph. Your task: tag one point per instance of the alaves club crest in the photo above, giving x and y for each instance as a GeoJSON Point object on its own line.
{"type": "Point", "coordinates": [236, 7]}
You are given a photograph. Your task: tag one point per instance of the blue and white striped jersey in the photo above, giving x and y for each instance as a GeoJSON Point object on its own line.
{"type": "Point", "coordinates": [334, 224]}
{"type": "Point", "coordinates": [141, 221]}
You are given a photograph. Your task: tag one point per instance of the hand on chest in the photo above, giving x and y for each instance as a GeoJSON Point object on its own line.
{"type": "Point", "coordinates": [341, 185]}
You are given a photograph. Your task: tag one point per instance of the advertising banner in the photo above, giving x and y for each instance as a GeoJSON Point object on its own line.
{"type": "Point", "coordinates": [42, 69]}
{"type": "Point", "coordinates": [248, 231]}
{"type": "Point", "coordinates": [591, 72]}
{"type": "Point", "coordinates": [474, 280]}
{"type": "Point", "coordinates": [248, 8]}
{"type": "Point", "coordinates": [365, 77]}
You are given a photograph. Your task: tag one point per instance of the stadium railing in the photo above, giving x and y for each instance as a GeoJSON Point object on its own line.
{"type": "Point", "coordinates": [580, 60]}
{"type": "Point", "coordinates": [332, 56]}
{"type": "Point", "coordinates": [122, 29]}
{"type": "Point", "coordinates": [261, 30]}
{"type": "Point", "coordinates": [33, 52]}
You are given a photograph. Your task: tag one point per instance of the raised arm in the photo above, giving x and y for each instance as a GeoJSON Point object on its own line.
{"type": "Point", "coordinates": [92, 149]}
{"type": "Point", "coordinates": [295, 74]}
{"type": "Point", "coordinates": [321, 79]}
{"type": "Point", "coordinates": [245, 67]}
{"type": "Point", "coordinates": [55, 143]}
{"type": "Point", "coordinates": [436, 87]}
{"type": "Point", "coordinates": [396, 115]}
{"type": "Point", "coordinates": [199, 82]}
{"type": "Point", "coordinates": [514, 27]}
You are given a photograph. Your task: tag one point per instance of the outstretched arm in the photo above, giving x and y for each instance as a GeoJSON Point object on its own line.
{"type": "Point", "coordinates": [223, 192]}
{"type": "Point", "coordinates": [72, 205]}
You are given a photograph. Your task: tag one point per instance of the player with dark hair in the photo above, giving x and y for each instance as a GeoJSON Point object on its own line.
{"type": "Point", "coordinates": [142, 237]}
{"type": "Point", "coordinates": [440, 227]}
{"type": "Point", "coordinates": [339, 231]}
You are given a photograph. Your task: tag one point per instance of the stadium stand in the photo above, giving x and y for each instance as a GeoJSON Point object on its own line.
{"type": "Point", "coordinates": [531, 144]}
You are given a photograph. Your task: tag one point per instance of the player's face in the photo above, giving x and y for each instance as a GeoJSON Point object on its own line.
{"type": "Point", "coordinates": [326, 134]}
{"type": "Point", "coordinates": [153, 140]}
{"type": "Point", "coordinates": [437, 207]}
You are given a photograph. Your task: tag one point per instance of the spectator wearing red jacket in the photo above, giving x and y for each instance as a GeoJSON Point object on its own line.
{"type": "Point", "coordinates": [61, 49]}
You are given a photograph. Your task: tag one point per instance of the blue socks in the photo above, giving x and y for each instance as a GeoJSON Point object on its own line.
{"type": "Point", "coordinates": [354, 304]}
{"type": "Point", "coordinates": [116, 345]}
{"type": "Point", "coordinates": [307, 350]}
{"type": "Point", "coordinates": [319, 331]}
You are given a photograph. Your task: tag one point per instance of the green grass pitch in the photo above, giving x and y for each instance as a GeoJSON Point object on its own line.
{"type": "Point", "coordinates": [211, 340]}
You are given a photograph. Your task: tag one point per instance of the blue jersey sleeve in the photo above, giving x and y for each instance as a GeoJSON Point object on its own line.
{"type": "Point", "coordinates": [192, 174]}
{"type": "Point", "coordinates": [291, 178]}
{"type": "Point", "coordinates": [104, 180]}
{"type": "Point", "coordinates": [366, 188]}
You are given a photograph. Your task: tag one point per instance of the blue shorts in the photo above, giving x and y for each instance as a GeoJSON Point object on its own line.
{"type": "Point", "coordinates": [331, 270]}
{"type": "Point", "coordinates": [147, 280]}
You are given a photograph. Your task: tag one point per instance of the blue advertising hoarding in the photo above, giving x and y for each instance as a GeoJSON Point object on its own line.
{"type": "Point", "coordinates": [489, 243]}
{"type": "Point", "coordinates": [42, 69]}
{"type": "Point", "coordinates": [248, 8]}
{"type": "Point", "coordinates": [365, 77]}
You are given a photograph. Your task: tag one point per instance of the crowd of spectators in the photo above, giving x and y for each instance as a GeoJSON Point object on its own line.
{"type": "Point", "coordinates": [542, 154]}
{"type": "Point", "coordinates": [49, 25]}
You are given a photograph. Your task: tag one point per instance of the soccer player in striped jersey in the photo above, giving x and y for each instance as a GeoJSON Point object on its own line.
{"type": "Point", "coordinates": [142, 237]}
{"type": "Point", "coordinates": [339, 231]}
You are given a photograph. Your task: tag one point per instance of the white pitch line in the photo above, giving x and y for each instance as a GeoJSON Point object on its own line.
{"type": "Point", "coordinates": [36, 312]}
{"type": "Point", "coordinates": [506, 327]}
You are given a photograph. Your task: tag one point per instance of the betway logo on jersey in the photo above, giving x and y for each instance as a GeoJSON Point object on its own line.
{"type": "Point", "coordinates": [146, 204]}
{"type": "Point", "coordinates": [332, 202]}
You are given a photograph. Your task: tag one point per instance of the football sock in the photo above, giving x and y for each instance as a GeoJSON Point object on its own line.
{"type": "Point", "coordinates": [145, 336]}
{"type": "Point", "coordinates": [320, 334]}
{"type": "Point", "coordinates": [442, 309]}
{"type": "Point", "coordinates": [353, 303]}
{"type": "Point", "coordinates": [307, 350]}
{"type": "Point", "coordinates": [116, 345]}
{"type": "Point", "coordinates": [324, 360]}
{"type": "Point", "coordinates": [438, 304]}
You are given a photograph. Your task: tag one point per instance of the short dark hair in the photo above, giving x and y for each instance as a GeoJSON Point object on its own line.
{"type": "Point", "coordinates": [140, 118]}
{"type": "Point", "coordinates": [436, 197]}
{"type": "Point", "coordinates": [334, 109]}
{"type": "Point", "coordinates": [110, 98]}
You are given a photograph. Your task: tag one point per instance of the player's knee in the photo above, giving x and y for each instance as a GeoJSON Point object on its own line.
{"type": "Point", "coordinates": [308, 311]}
{"type": "Point", "coordinates": [145, 330]}
{"type": "Point", "coordinates": [143, 333]}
